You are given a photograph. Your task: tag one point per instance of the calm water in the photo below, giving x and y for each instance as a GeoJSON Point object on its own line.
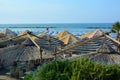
{"type": "Point", "coordinates": [76, 29]}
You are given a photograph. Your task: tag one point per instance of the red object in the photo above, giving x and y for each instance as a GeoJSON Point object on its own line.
{"type": "Point", "coordinates": [46, 28]}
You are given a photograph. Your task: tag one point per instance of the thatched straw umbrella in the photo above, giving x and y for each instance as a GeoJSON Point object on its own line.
{"type": "Point", "coordinates": [98, 32]}
{"type": "Point", "coordinates": [105, 48]}
{"type": "Point", "coordinates": [62, 34]}
{"type": "Point", "coordinates": [12, 41]}
{"type": "Point", "coordinates": [86, 35]}
{"type": "Point", "coordinates": [87, 46]}
{"type": "Point", "coordinates": [25, 52]}
{"type": "Point", "coordinates": [47, 40]}
{"type": "Point", "coordinates": [2, 36]}
{"type": "Point", "coordinates": [6, 34]}
{"type": "Point", "coordinates": [7, 31]}
{"type": "Point", "coordinates": [17, 40]}
{"type": "Point", "coordinates": [104, 54]}
{"type": "Point", "coordinates": [66, 37]}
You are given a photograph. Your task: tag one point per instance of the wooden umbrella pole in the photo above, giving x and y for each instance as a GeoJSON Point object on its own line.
{"type": "Point", "coordinates": [41, 60]}
{"type": "Point", "coordinates": [112, 39]}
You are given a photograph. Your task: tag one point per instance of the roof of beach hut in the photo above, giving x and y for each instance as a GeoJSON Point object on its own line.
{"type": "Point", "coordinates": [6, 34]}
{"type": "Point", "coordinates": [105, 48]}
{"type": "Point", "coordinates": [69, 39]}
{"type": "Point", "coordinates": [62, 34]}
{"type": "Point", "coordinates": [85, 46]}
{"type": "Point", "coordinates": [45, 39]}
{"type": "Point", "coordinates": [86, 35]}
{"type": "Point", "coordinates": [24, 52]}
{"type": "Point", "coordinates": [2, 36]}
{"type": "Point", "coordinates": [97, 33]}
{"type": "Point", "coordinates": [42, 34]}
{"type": "Point", "coordinates": [27, 42]}
{"type": "Point", "coordinates": [106, 56]}
{"type": "Point", "coordinates": [66, 37]}
{"type": "Point", "coordinates": [7, 31]}
{"type": "Point", "coordinates": [14, 40]}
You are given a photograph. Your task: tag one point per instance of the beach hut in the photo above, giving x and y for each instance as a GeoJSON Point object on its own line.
{"type": "Point", "coordinates": [66, 37]}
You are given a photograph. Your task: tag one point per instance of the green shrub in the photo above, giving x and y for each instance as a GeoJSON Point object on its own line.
{"type": "Point", "coordinates": [80, 69]}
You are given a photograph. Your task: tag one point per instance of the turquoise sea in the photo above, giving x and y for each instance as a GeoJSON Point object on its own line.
{"type": "Point", "coordinates": [75, 28]}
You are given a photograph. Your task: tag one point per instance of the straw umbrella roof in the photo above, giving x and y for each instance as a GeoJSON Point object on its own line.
{"type": "Point", "coordinates": [62, 34]}
{"type": "Point", "coordinates": [42, 34]}
{"type": "Point", "coordinates": [86, 35]}
{"type": "Point", "coordinates": [28, 42]}
{"type": "Point", "coordinates": [3, 36]}
{"type": "Point", "coordinates": [98, 32]}
{"type": "Point", "coordinates": [105, 56]}
{"type": "Point", "coordinates": [97, 51]}
{"type": "Point", "coordinates": [15, 40]}
{"type": "Point", "coordinates": [12, 41]}
{"type": "Point", "coordinates": [88, 45]}
{"type": "Point", "coordinates": [67, 37]}
{"type": "Point", "coordinates": [45, 39]}
{"type": "Point", "coordinates": [105, 48]}
{"type": "Point", "coordinates": [24, 52]}
{"type": "Point", "coordinates": [6, 34]}
{"type": "Point", "coordinates": [7, 31]}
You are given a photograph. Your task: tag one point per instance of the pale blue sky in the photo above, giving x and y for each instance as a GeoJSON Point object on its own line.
{"type": "Point", "coordinates": [59, 11]}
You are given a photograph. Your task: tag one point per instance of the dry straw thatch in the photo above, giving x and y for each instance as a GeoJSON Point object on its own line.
{"type": "Point", "coordinates": [86, 35]}
{"type": "Point", "coordinates": [25, 52]}
{"type": "Point", "coordinates": [7, 31]}
{"type": "Point", "coordinates": [45, 39]}
{"type": "Point", "coordinates": [98, 32]}
{"type": "Point", "coordinates": [6, 34]}
{"type": "Point", "coordinates": [27, 48]}
{"type": "Point", "coordinates": [101, 50]}
{"type": "Point", "coordinates": [66, 37]}
{"type": "Point", "coordinates": [105, 54]}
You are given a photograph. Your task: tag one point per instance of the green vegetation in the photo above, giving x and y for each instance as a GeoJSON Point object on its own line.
{"type": "Point", "coordinates": [116, 29]}
{"type": "Point", "coordinates": [80, 69]}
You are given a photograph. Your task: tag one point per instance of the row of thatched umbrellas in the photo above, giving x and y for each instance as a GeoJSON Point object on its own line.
{"type": "Point", "coordinates": [27, 46]}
